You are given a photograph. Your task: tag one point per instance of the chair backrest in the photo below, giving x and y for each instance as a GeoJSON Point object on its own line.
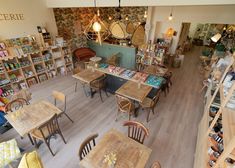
{"type": "Point", "coordinates": [16, 105]}
{"type": "Point", "coordinates": [124, 104]}
{"type": "Point", "coordinates": [24, 93]}
{"type": "Point", "coordinates": [156, 98]}
{"type": "Point", "coordinates": [87, 146]}
{"type": "Point", "coordinates": [100, 82]}
{"type": "Point", "coordinates": [136, 131]}
{"type": "Point", "coordinates": [60, 97]}
{"type": "Point", "coordinates": [113, 60]}
{"type": "Point", "coordinates": [156, 165]}
{"type": "Point", "coordinates": [51, 127]}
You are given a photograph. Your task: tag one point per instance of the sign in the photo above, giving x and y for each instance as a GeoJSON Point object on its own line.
{"type": "Point", "coordinates": [11, 16]}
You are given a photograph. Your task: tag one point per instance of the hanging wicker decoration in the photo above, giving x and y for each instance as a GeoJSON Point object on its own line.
{"type": "Point", "coordinates": [138, 36]}
{"type": "Point", "coordinates": [130, 28]}
{"type": "Point", "coordinates": [118, 30]}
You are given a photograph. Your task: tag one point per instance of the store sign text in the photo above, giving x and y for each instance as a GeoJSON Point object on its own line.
{"type": "Point", "coordinates": [11, 16]}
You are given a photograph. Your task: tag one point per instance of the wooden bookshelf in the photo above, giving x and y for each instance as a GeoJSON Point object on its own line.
{"type": "Point", "coordinates": [206, 128]}
{"type": "Point", "coordinates": [33, 67]}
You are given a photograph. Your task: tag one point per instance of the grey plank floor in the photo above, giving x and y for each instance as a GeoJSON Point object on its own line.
{"type": "Point", "coordinates": [173, 128]}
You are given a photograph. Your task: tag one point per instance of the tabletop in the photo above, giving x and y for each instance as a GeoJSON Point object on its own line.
{"type": "Point", "coordinates": [88, 75]}
{"type": "Point", "coordinates": [129, 153]}
{"type": "Point", "coordinates": [95, 59]}
{"type": "Point", "coordinates": [31, 116]}
{"type": "Point", "coordinates": [155, 70]}
{"type": "Point", "coordinates": [134, 91]}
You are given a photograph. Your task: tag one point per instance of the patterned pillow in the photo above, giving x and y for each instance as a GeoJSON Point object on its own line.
{"type": "Point", "coordinates": [9, 151]}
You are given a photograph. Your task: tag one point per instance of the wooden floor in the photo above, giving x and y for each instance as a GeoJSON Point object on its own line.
{"type": "Point", "coordinates": [173, 129]}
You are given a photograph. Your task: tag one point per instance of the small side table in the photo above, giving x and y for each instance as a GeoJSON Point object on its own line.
{"type": "Point", "coordinates": [95, 59]}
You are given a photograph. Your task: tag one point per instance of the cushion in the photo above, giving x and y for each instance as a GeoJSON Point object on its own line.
{"type": "Point", "coordinates": [9, 151]}
{"type": "Point", "coordinates": [30, 160]}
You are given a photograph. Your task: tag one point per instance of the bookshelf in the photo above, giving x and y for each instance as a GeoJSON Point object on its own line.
{"type": "Point", "coordinates": [24, 62]}
{"type": "Point", "coordinates": [216, 132]}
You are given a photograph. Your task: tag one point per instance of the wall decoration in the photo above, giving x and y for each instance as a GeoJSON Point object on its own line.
{"type": "Point", "coordinates": [138, 36]}
{"type": "Point", "coordinates": [11, 16]}
{"type": "Point", "coordinates": [71, 22]}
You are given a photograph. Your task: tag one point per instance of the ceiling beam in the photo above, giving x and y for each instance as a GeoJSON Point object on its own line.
{"type": "Point", "coordinates": [114, 3]}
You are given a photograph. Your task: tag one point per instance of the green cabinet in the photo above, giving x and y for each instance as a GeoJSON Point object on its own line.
{"type": "Point", "coordinates": [126, 54]}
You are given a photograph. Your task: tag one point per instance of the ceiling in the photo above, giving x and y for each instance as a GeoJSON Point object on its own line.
{"type": "Point", "coordinates": [114, 3]}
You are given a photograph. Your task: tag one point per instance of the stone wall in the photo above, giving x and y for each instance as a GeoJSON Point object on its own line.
{"type": "Point", "coordinates": [71, 22]}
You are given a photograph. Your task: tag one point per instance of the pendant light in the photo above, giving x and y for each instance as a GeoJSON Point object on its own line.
{"type": "Point", "coordinates": [96, 25]}
{"type": "Point", "coordinates": [171, 16]}
{"type": "Point", "coordinates": [96, 29]}
{"type": "Point", "coordinates": [145, 14]}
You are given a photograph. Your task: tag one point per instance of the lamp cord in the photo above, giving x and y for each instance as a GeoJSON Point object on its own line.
{"type": "Point", "coordinates": [95, 3]}
{"type": "Point", "coordinates": [119, 3]}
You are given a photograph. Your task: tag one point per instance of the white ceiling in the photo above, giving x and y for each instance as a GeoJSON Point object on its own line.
{"type": "Point", "coordinates": [114, 3]}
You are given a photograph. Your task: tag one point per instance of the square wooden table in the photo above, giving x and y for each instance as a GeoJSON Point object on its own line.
{"type": "Point", "coordinates": [88, 75]}
{"type": "Point", "coordinates": [132, 91]}
{"type": "Point", "coordinates": [31, 116]}
{"type": "Point", "coordinates": [129, 153]}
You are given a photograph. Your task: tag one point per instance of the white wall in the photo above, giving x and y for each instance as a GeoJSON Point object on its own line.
{"type": "Point", "coordinates": [35, 14]}
{"type": "Point", "coordinates": [194, 14]}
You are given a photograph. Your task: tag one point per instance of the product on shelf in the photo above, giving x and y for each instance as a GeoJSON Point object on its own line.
{"type": "Point", "coordinates": [6, 91]}
{"type": "Point", "coordinates": [36, 59]}
{"type": "Point", "coordinates": [28, 73]}
{"type": "Point", "coordinates": [11, 66]}
{"type": "Point", "coordinates": [3, 81]}
{"type": "Point", "coordinates": [155, 80]}
{"type": "Point", "coordinates": [128, 73]}
{"type": "Point", "coordinates": [39, 68]}
{"type": "Point", "coordinates": [141, 77]}
{"type": "Point", "coordinates": [47, 56]}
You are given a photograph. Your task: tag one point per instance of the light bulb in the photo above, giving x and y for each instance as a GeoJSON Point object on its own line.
{"type": "Point", "coordinates": [170, 17]}
{"type": "Point", "coordinates": [96, 26]}
{"type": "Point", "coordinates": [98, 12]}
{"type": "Point", "coordinates": [110, 18]}
{"type": "Point", "coordinates": [127, 18]}
{"type": "Point", "coordinates": [145, 14]}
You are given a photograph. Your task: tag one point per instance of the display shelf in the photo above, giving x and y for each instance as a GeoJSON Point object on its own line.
{"type": "Point", "coordinates": [228, 125]}
{"type": "Point", "coordinates": [27, 56]}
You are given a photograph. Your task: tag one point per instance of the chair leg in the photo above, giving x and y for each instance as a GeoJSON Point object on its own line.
{"type": "Point", "coordinates": [68, 117]}
{"type": "Point", "coordinates": [48, 145]}
{"type": "Point", "coordinates": [117, 115]}
{"type": "Point", "coordinates": [129, 116]}
{"type": "Point", "coordinates": [148, 113]}
{"type": "Point", "coordinates": [76, 85]}
{"type": "Point", "coordinates": [61, 135]}
{"type": "Point", "coordinates": [106, 92]}
{"type": "Point", "coordinates": [100, 95]}
{"type": "Point", "coordinates": [153, 110]}
{"type": "Point", "coordinates": [30, 138]}
{"type": "Point", "coordinates": [35, 143]}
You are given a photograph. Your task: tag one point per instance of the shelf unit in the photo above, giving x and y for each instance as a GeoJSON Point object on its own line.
{"type": "Point", "coordinates": [216, 132]}
{"type": "Point", "coordinates": [24, 69]}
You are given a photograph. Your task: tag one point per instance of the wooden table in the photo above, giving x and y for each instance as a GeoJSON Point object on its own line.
{"type": "Point", "coordinates": [132, 91]}
{"type": "Point", "coordinates": [155, 70]}
{"type": "Point", "coordinates": [129, 153]}
{"type": "Point", "coordinates": [88, 75]}
{"type": "Point", "coordinates": [31, 116]}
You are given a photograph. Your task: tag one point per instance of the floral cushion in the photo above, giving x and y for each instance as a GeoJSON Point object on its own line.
{"type": "Point", "coordinates": [9, 151]}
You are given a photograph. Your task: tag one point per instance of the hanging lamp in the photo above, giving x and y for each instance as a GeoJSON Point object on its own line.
{"type": "Point", "coordinates": [171, 16]}
{"type": "Point", "coordinates": [96, 29]}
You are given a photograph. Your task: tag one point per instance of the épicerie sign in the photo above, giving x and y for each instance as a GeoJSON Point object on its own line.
{"type": "Point", "coordinates": [11, 16]}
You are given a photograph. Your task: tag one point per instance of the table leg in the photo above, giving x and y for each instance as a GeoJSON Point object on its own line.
{"type": "Point", "coordinates": [30, 138]}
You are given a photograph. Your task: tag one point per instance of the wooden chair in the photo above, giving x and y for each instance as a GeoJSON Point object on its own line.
{"type": "Point", "coordinates": [125, 105]}
{"type": "Point", "coordinates": [99, 85]}
{"type": "Point", "coordinates": [24, 93]}
{"type": "Point", "coordinates": [136, 131]}
{"type": "Point", "coordinates": [86, 146]}
{"type": "Point", "coordinates": [15, 105]}
{"type": "Point", "coordinates": [149, 104]}
{"type": "Point", "coordinates": [46, 131]}
{"type": "Point", "coordinates": [112, 60]}
{"type": "Point", "coordinates": [58, 96]}
{"type": "Point", "coordinates": [166, 86]}
{"type": "Point", "coordinates": [156, 165]}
